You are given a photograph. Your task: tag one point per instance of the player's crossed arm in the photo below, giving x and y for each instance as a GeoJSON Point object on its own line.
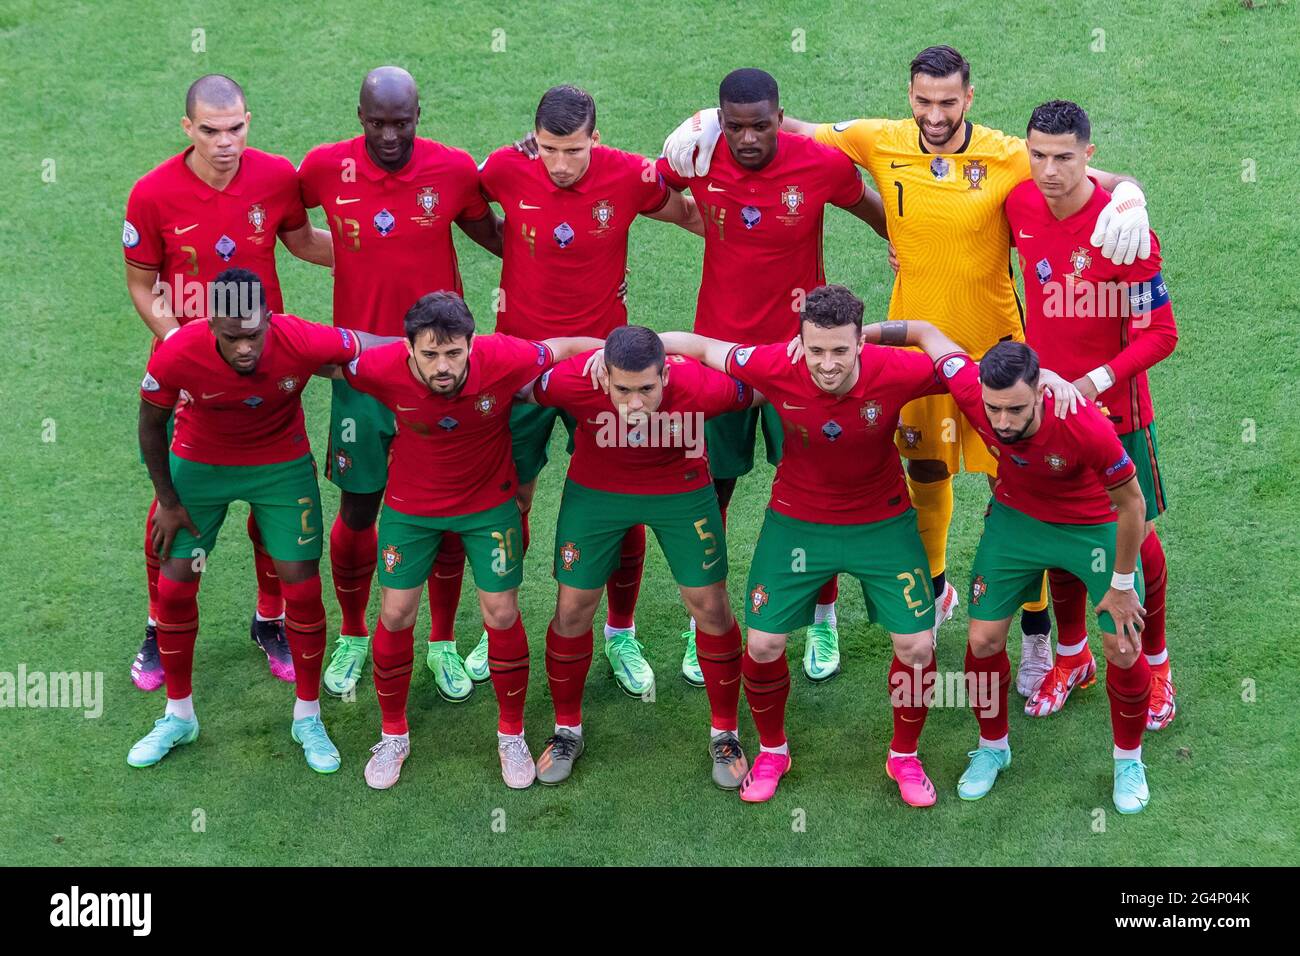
{"type": "Point", "coordinates": [365, 340]}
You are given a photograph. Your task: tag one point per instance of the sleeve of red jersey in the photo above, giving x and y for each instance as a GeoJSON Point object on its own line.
{"type": "Point", "coordinates": [308, 179]}
{"type": "Point", "coordinates": [563, 385]}
{"type": "Point", "coordinates": [917, 372]}
{"type": "Point", "coordinates": [653, 192]}
{"type": "Point", "coordinates": [295, 213]}
{"type": "Point", "coordinates": [327, 344]}
{"type": "Point", "coordinates": [142, 243]}
{"type": "Point", "coordinates": [960, 374]}
{"type": "Point", "coordinates": [754, 364]}
{"type": "Point", "coordinates": [844, 177]}
{"type": "Point", "coordinates": [473, 206]}
{"type": "Point", "coordinates": [362, 372]}
{"type": "Point", "coordinates": [157, 389]}
{"type": "Point", "coordinates": [1155, 333]}
{"type": "Point", "coordinates": [671, 178]}
{"type": "Point", "coordinates": [518, 361]}
{"type": "Point", "coordinates": [1105, 454]}
{"type": "Point", "coordinates": [716, 392]}
{"type": "Point", "coordinates": [490, 172]}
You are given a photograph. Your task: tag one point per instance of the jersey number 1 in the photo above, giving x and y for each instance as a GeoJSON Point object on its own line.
{"type": "Point", "coordinates": [899, 186]}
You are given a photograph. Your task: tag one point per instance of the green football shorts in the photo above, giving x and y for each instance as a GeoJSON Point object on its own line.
{"type": "Point", "coordinates": [493, 542]}
{"type": "Point", "coordinates": [361, 429]}
{"type": "Point", "coordinates": [730, 440]}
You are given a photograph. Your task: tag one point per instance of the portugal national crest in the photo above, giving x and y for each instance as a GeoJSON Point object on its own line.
{"type": "Point", "coordinates": [978, 589]}
{"type": "Point", "coordinates": [257, 216]}
{"type": "Point", "coordinates": [392, 558]}
{"type": "Point", "coordinates": [603, 213]}
{"type": "Point", "coordinates": [485, 403]}
{"type": "Point", "coordinates": [911, 436]}
{"type": "Point", "coordinates": [288, 383]}
{"type": "Point", "coordinates": [871, 413]}
{"type": "Point", "coordinates": [975, 172]}
{"type": "Point", "coordinates": [1055, 462]}
{"type": "Point", "coordinates": [792, 197]}
{"type": "Point", "coordinates": [757, 598]}
{"type": "Point", "coordinates": [342, 461]}
{"type": "Point", "coordinates": [1080, 259]}
{"type": "Point", "coordinates": [427, 199]}
{"type": "Point", "coordinates": [569, 554]}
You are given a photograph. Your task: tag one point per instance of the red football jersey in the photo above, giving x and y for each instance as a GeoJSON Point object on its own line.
{"type": "Point", "coordinates": [189, 232]}
{"type": "Point", "coordinates": [665, 455]}
{"type": "Point", "coordinates": [451, 454]}
{"type": "Point", "coordinates": [838, 464]}
{"type": "Point", "coordinates": [228, 418]}
{"type": "Point", "coordinates": [1059, 474]}
{"type": "Point", "coordinates": [763, 235]}
{"type": "Point", "coordinates": [1082, 311]}
{"type": "Point", "coordinates": [565, 252]}
{"type": "Point", "coordinates": [391, 230]}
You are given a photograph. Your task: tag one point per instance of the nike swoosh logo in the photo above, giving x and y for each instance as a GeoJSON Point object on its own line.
{"type": "Point", "coordinates": [922, 611]}
{"type": "Point", "coordinates": [1025, 235]}
{"type": "Point", "coordinates": [710, 564]}
{"type": "Point", "coordinates": [340, 201]}
{"type": "Point", "coordinates": [302, 540]}
{"type": "Point", "coordinates": [894, 165]}
{"type": "Point", "coordinates": [511, 693]}
{"type": "Point", "coordinates": [507, 571]}
{"type": "Point", "coordinates": [206, 395]}
{"type": "Point", "coordinates": [792, 408]}
{"type": "Point", "coordinates": [524, 205]}
{"type": "Point", "coordinates": [1131, 716]}
{"type": "Point", "coordinates": [910, 720]}
{"type": "Point", "coordinates": [403, 408]}
{"type": "Point", "coordinates": [181, 232]}
{"type": "Point", "coordinates": [728, 683]}
{"type": "Point", "coordinates": [714, 189]}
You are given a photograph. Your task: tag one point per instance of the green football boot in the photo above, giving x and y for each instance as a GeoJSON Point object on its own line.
{"type": "Point", "coordinates": [168, 731]}
{"type": "Point", "coordinates": [454, 685]}
{"type": "Point", "coordinates": [985, 765]}
{"type": "Point", "coordinates": [821, 654]}
{"type": "Point", "coordinates": [630, 668]}
{"type": "Point", "coordinates": [1131, 793]}
{"type": "Point", "coordinates": [346, 664]}
{"type": "Point", "coordinates": [476, 662]}
{"type": "Point", "coordinates": [690, 662]}
{"type": "Point", "coordinates": [322, 755]}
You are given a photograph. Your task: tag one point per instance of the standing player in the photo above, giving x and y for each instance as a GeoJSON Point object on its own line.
{"type": "Point", "coordinates": [1066, 493]}
{"type": "Point", "coordinates": [640, 458]}
{"type": "Point", "coordinates": [764, 201]}
{"type": "Point", "coordinates": [390, 198]}
{"type": "Point", "coordinates": [945, 180]}
{"type": "Point", "coordinates": [564, 259]}
{"type": "Point", "coordinates": [238, 379]}
{"type": "Point", "coordinates": [450, 470]}
{"type": "Point", "coordinates": [217, 205]}
{"type": "Point", "coordinates": [1102, 325]}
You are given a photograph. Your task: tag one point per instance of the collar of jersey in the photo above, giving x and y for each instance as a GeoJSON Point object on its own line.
{"type": "Point", "coordinates": [201, 189]}
{"type": "Point", "coordinates": [581, 186]}
{"type": "Point", "coordinates": [374, 172]}
{"type": "Point", "coordinates": [920, 141]}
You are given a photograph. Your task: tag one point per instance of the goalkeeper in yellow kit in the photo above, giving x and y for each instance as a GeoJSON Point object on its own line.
{"type": "Point", "coordinates": [943, 181]}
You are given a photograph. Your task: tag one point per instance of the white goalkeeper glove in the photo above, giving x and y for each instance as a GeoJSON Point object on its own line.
{"type": "Point", "coordinates": [689, 148]}
{"type": "Point", "coordinates": [1123, 230]}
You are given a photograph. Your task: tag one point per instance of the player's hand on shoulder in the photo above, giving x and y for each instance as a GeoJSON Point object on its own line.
{"type": "Point", "coordinates": [595, 368]}
{"type": "Point", "coordinates": [795, 350]}
{"type": "Point", "coordinates": [689, 148]}
{"type": "Point", "coordinates": [1123, 230]}
{"type": "Point", "coordinates": [527, 145]}
{"type": "Point", "coordinates": [1067, 396]}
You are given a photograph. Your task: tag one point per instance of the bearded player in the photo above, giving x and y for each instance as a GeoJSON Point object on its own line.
{"type": "Point", "coordinates": [450, 470]}
{"type": "Point", "coordinates": [1103, 326]}
{"type": "Point", "coordinates": [639, 458]}
{"type": "Point", "coordinates": [764, 202]}
{"type": "Point", "coordinates": [238, 378]}
{"type": "Point", "coordinates": [217, 205]}
{"type": "Point", "coordinates": [564, 258]}
{"type": "Point", "coordinates": [390, 198]}
{"type": "Point", "coordinates": [944, 180]}
{"type": "Point", "coordinates": [1066, 494]}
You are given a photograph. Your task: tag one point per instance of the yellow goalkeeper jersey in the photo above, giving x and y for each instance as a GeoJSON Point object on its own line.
{"type": "Point", "coordinates": [945, 218]}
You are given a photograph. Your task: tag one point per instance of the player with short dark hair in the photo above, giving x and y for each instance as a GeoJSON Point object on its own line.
{"type": "Point", "coordinates": [238, 378]}
{"type": "Point", "coordinates": [568, 214]}
{"type": "Point", "coordinates": [217, 205]}
{"type": "Point", "coordinates": [640, 459]}
{"type": "Point", "coordinates": [1066, 496]}
{"type": "Point", "coordinates": [764, 202]}
{"type": "Point", "coordinates": [450, 470]}
{"type": "Point", "coordinates": [944, 180]}
{"type": "Point", "coordinates": [390, 198]}
{"type": "Point", "coordinates": [1104, 326]}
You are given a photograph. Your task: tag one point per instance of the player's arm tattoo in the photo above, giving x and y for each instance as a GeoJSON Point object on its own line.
{"type": "Point", "coordinates": [893, 333]}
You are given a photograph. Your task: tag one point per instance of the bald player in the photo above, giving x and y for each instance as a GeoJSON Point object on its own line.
{"type": "Point", "coordinates": [945, 180]}
{"type": "Point", "coordinates": [390, 198]}
{"type": "Point", "coordinates": [217, 205]}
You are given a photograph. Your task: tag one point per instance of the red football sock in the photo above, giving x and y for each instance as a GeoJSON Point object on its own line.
{"type": "Point", "coordinates": [508, 662]}
{"type": "Point", "coordinates": [829, 592]}
{"type": "Point", "coordinates": [723, 510]}
{"type": "Point", "coordinates": [151, 563]}
{"type": "Point", "coordinates": [1069, 605]}
{"type": "Point", "coordinates": [444, 587]}
{"type": "Point", "coordinates": [719, 656]}
{"type": "Point", "coordinates": [178, 627]}
{"type": "Point", "coordinates": [624, 584]}
{"type": "Point", "coordinates": [1155, 575]}
{"type": "Point", "coordinates": [910, 694]}
{"type": "Point", "coordinates": [567, 661]}
{"type": "Point", "coordinates": [304, 628]}
{"type": "Point", "coordinates": [352, 563]}
{"type": "Point", "coordinates": [393, 655]}
{"type": "Point", "coordinates": [767, 687]}
{"type": "Point", "coordinates": [270, 598]}
{"type": "Point", "coordinates": [523, 524]}
{"type": "Point", "coordinates": [1129, 690]}
{"type": "Point", "coordinates": [987, 681]}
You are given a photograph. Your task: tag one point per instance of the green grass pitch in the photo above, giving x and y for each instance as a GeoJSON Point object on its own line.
{"type": "Point", "coordinates": [1199, 99]}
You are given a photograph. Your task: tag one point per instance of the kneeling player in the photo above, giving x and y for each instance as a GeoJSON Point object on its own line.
{"type": "Point", "coordinates": [450, 470]}
{"type": "Point", "coordinates": [639, 459]}
{"type": "Point", "coordinates": [239, 437]}
{"type": "Point", "coordinates": [1066, 495]}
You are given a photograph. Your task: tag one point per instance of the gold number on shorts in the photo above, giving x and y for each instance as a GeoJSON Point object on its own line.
{"type": "Point", "coordinates": [707, 536]}
{"type": "Point", "coordinates": [910, 582]}
{"type": "Point", "coordinates": [349, 230]}
{"type": "Point", "coordinates": [306, 513]}
{"type": "Point", "coordinates": [192, 255]}
{"type": "Point", "coordinates": [505, 543]}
